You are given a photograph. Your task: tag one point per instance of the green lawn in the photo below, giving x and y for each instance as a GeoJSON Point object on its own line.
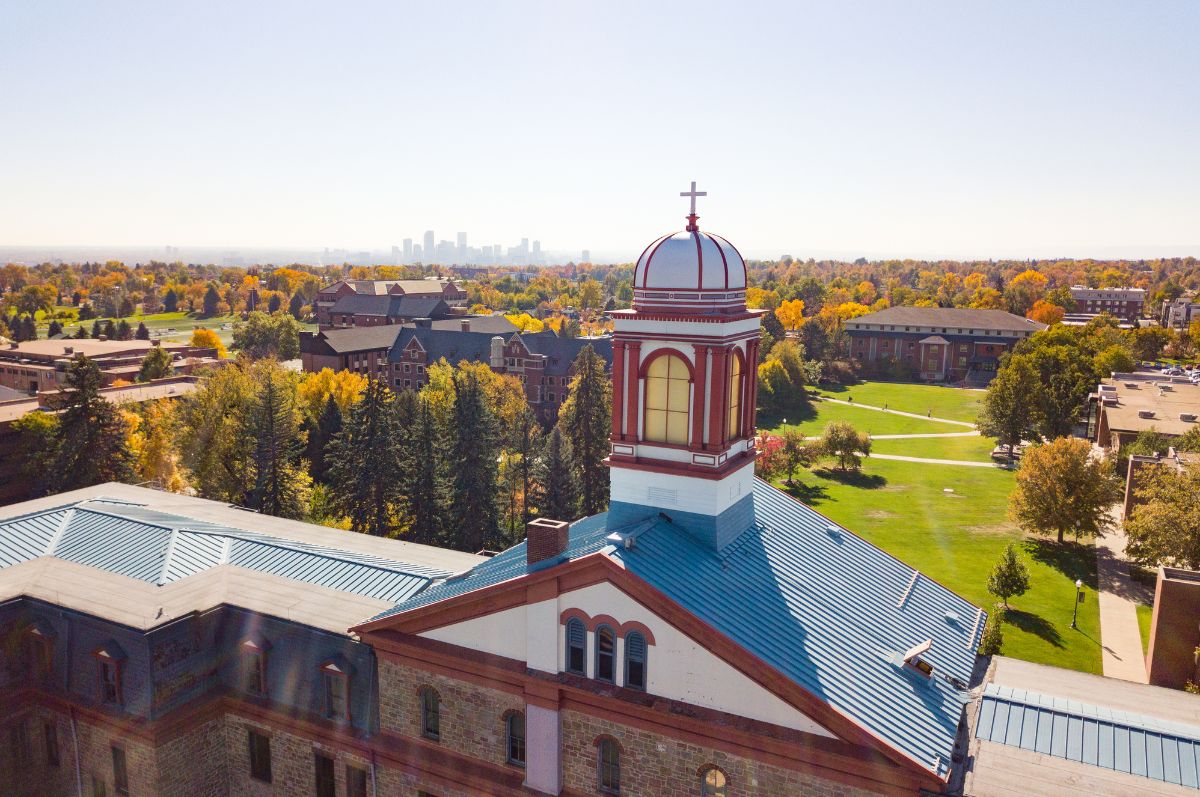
{"type": "Point", "coordinates": [953, 403]}
{"type": "Point", "coordinates": [971, 449]}
{"type": "Point", "coordinates": [874, 422]}
{"type": "Point", "coordinates": [182, 325]}
{"type": "Point", "coordinates": [1145, 614]}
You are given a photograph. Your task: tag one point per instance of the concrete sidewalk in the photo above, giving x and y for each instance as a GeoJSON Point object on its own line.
{"type": "Point", "coordinates": [902, 458]}
{"type": "Point", "coordinates": [898, 412]}
{"type": "Point", "coordinates": [1121, 638]}
{"type": "Point", "coordinates": [913, 436]}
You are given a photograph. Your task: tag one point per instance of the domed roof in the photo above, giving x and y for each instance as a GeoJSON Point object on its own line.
{"type": "Point", "coordinates": [690, 260]}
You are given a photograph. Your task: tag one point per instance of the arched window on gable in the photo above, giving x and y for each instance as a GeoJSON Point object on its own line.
{"type": "Point", "coordinates": [713, 783]}
{"type": "Point", "coordinates": [635, 660]}
{"type": "Point", "coordinates": [576, 647]}
{"type": "Point", "coordinates": [606, 654]}
{"type": "Point", "coordinates": [667, 400]}
{"type": "Point", "coordinates": [735, 397]}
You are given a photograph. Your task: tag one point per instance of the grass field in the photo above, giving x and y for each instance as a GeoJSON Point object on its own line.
{"type": "Point", "coordinates": [873, 422]}
{"type": "Point", "coordinates": [177, 327]}
{"type": "Point", "coordinates": [953, 403]}
{"type": "Point", "coordinates": [951, 521]}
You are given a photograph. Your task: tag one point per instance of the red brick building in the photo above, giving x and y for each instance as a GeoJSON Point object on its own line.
{"type": "Point", "coordinates": [1123, 303]}
{"type": "Point", "coordinates": [366, 302]}
{"type": "Point", "coordinates": [937, 344]}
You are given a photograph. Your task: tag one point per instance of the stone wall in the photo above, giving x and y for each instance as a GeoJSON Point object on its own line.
{"type": "Point", "coordinates": [653, 765]}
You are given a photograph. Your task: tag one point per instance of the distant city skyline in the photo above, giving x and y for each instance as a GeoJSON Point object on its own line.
{"type": "Point", "coordinates": [874, 129]}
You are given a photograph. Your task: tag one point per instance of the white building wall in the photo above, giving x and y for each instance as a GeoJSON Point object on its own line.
{"type": "Point", "coordinates": [669, 491]}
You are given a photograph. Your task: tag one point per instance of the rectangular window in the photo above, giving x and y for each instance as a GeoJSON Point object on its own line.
{"type": "Point", "coordinates": [51, 733]}
{"type": "Point", "coordinates": [99, 789]}
{"type": "Point", "coordinates": [356, 782]}
{"type": "Point", "coordinates": [109, 693]}
{"type": "Point", "coordinates": [254, 670]}
{"type": "Point", "coordinates": [326, 783]}
{"type": "Point", "coordinates": [120, 772]}
{"type": "Point", "coordinates": [335, 695]}
{"type": "Point", "coordinates": [260, 756]}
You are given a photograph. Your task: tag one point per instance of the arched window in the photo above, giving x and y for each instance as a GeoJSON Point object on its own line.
{"type": "Point", "coordinates": [735, 398]}
{"type": "Point", "coordinates": [610, 766]}
{"type": "Point", "coordinates": [514, 733]}
{"type": "Point", "coordinates": [431, 713]}
{"type": "Point", "coordinates": [713, 783]}
{"type": "Point", "coordinates": [606, 654]}
{"type": "Point", "coordinates": [668, 394]}
{"type": "Point", "coordinates": [576, 647]}
{"type": "Point", "coordinates": [635, 660]}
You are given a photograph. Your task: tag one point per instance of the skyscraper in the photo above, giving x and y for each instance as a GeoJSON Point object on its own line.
{"type": "Point", "coordinates": [462, 247]}
{"type": "Point", "coordinates": [537, 252]}
{"type": "Point", "coordinates": [586, 257]}
{"type": "Point", "coordinates": [408, 250]}
{"type": "Point", "coordinates": [429, 250]}
{"type": "Point", "coordinates": [395, 256]}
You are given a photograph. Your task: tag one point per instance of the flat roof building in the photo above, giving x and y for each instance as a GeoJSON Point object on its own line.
{"type": "Point", "coordinates": [1125, 405]}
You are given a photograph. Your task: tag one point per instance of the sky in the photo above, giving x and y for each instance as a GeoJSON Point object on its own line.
{"type": "Point", "coordinates": [881, 129]}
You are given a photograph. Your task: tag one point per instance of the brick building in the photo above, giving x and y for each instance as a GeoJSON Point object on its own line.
{"type": "Point", "coordinates": [41, 365]}
{"type": "Point", "coordinates": [382, 299]}
{"type": "Point", "coordinates": [1125, 405]}
{"type": "Point", "coordinates": [1180, 313]}
{"type": "Point", "coordinates": [1123, 303]}
{"type": "Point", "coordinates": [937, 344]}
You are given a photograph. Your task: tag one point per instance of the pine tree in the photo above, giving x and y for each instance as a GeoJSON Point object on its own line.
{"type": "Point", "coordinates": [327, 425]}
{"type": "Point", "coordinates": [110, 329]}
{"type": "Point", "coordinates": [170, 301]}
{"type": "Point", "coordinates": [472, 466]}
{"type": "Point", "coordinates": [55, 328]}
{"type": "Point", "coordinates": [364, 463]}
{"type": "Point", "coordinates": [420, 473]}
{"type": "Point", "coordinates": [81, 333]}
{"type": "Point", "coordinates": [211, 300]}
{"type": "Point", "coordinates": [157, 364]}
{"type": "Point", "coordinates": [296, 305]}
{"type": "Point", "coordinates": [586, 420]}
{"type": "Point", "coordinates": [97, 328]}
{"type": "Point", "coordinates": [558, 491]}
{"type": "Point", "coordinates": [274, 303]}
{"type": "Point", "coordinates": [28, 328]}
{"type": "Point", "coordinates": [91, 443]}
{"type": "Point", "coordinates": [1009, 578]}
{"type": "Point", "coordinates": [280, 486]}
{"type": "Point", "coordinates": [123, 330]}
{"type": "Point", "coordinates": [142, 332]}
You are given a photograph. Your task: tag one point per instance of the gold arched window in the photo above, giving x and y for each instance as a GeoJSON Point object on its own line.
{"type": "Point", "coordinates": [735, 398]}
{"type": "Point", "coordinates": [667, 400]}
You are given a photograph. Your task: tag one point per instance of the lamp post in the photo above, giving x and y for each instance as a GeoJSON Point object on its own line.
{"type": "Point", "coordinates": [1078, 596]}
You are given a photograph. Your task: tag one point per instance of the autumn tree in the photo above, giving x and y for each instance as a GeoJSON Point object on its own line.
{"type": "Point", "coordinates": [1061, 488]}
{"type": "Point", "coordinates": [845, 444]}
{"type": "Point", "coordinates": [1164, 524]}
{"type": "Point", "coordinates": [586, 421]}
{"type": "Point", "coordinates": [214, 448]}
{"type": "Point", "coordinates": [207, 339]}
{"type": "Point", "coordinates": [1046, 313]}
{"type": "Point", "coordinates": [316, 388]}
{"type": "Point", "coordinates": [790, 313]}
{"type": "Point", "coordinates": [1010, 576]}
{"type": "Point", "coordinates": [782, 377]}
{"type": "Point", "coordinates": [1009, 408]}
{"type": "Point", "coordinates": [154, 445]}
{"type": "Point", "coordinates": [91, 441]}
{"type": "Point", "coordinates": [796, 451]}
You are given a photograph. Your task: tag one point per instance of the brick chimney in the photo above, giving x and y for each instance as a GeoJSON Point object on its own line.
{"type": "Point", "coordinates": [545, 539]}
{"type": "Point", "coordinates": [465, 325]}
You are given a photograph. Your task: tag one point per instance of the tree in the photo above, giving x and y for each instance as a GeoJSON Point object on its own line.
{"type": "Point", "coordinates": [296, 306]}
{"type": "Point", "coordinates": [845, 444]}
{"type": "Point", "coordinates": [790, 313]}
{"type": "Point", "coordinates": [795, 452]}
{"type": "Point", "coordinates": [364, 462]}
{"type": "Point", "coordinates": [1009, 411]}
{"type": "Point", "coordinates": [36, 435]}
{"type": "Point", "coordinates": [211, 438]}
{"type": "Point", "coordinates": [1148, 342]}
{"type": "Point", "coordinates": [157, 364]}
{"type": "Point", "coordinates": [170, 301]}
{"type": "Point", "coordinates": [344, 387]}
{"type": "Point", "coordinates": [142, 332]}
{"type": "Point", "coordinates": [36, 298]}
{"type": "Point", "coordinates": [207, 339]}
{"type": "Point", "coordinates": [1114, 359]}
{"type": "Point", "coordinates": [211, 301]}
{"type": "Point", "coordinates": [1009, 578]}
{"type": "Point", "coordinates": [558, 494]}
{"type": "Point", "coordinates": [419, 473]}
{"type": "Point", "coordinates": [1061, 488]}
{"type": "Point", "coordinates": [782, 377]}
{"type": "Point", "coordinates": [1164, 524]}
{"type": "Point", "coordinates": [280, 485]}
{"type": "Point", "coordinates": [1046, 312]}
{"type": "Point", "coordinates": [55, 328]}
{"type": "Point", "coordinates": [586, 421]}
{"type": "Point", "coordinates": [321, 433]}
{"type": "Point", "coordinates": [153, 443]}
{"type": "Point", "coordinates": [268, 335]}
{"type": "Point", "coordinates": [274, 303]}
{"type": "Point", "coordinates": [124, 331]}
{"type": "Point", "coordinates": [472, 466]}
{"type": "Point", "coordinates": [90, 445]}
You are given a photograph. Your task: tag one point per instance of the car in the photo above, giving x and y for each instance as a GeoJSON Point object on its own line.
{"type": "Point", "coordinates": [1172, 372]}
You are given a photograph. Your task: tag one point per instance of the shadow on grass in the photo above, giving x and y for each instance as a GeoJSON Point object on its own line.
{"type": "Point", "coordinates": [1034, 624]}
{"type": "Point", "coordinates": [852, 478]}
{"type": "Point", "coordinates": [809, 494]}
{"type": "Point", "coordinates": [1074, 560]}
{"type": "Point", "coordinates": [798, 414]}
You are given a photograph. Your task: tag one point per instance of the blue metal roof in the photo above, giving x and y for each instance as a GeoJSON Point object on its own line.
{"type": "Point", "coordinates": [821, 605]}
{"type": "Point", "coordinates": [1103, 737]}
{"type": "Point", "coordinates": [142, 543]}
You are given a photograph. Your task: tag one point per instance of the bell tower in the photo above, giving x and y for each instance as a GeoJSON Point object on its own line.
{"type": "Point", "coordinates": [685, 388]}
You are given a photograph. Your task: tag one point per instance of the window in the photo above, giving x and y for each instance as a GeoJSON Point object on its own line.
{"type": "Point", "coordinates": [326, 783]}
{"type": "Point", "coordinates": [635, 661]}
{"type": "Point", "coordinates": [576, 647]}
{"type": "Point", "coordinates": [37, 654]}
{"type": "Point", "coordinates": [667, 397]}
{"type": "Point", "coordinates": [51, 733]}
{"type": "Point", "coordinates": [18, 742]}
{"type": "Point", "coordinates": [514, 733]}
{"type": "Point", "coordinates": [735, 398]}
{"type": "Point", "coordinates": [110, 686]}
{"type": "Point", "coordinates": [335, 688]}
{"type": "Point", "coordinates": [610, 767]}
{"type": "Point", "coordinates": [254, 668]}
{"type": "Point", "coordinates": [356, 781]}
{"type": "Point", "coordinates": [98, 787]}
{"type": "Point", "coordinates": [431, 711]}
{"type": "Point", "coordinates": [713, 783]}
{"type": "Point", "coordinates": [260, 757]}
{"type": "Point", "coordinates": [120, 772]}
{"type": "Point", "coordinates": [606, 642]}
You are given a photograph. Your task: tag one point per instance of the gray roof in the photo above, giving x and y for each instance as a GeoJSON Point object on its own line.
{"type": "Point", "coordinates": [343, 340]}
{"type": "Point", "coordinates": [476, 346]}
{"type": "Point", "coordinates": [391, 306]}
{"type": "Point", "coordinates": [958, 317]}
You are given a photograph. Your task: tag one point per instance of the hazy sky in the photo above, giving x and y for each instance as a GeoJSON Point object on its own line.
{"type": "Point", "coordinates": [899, 129]}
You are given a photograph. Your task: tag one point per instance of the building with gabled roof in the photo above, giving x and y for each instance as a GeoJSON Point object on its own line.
{"type": "Point", "coordinates": [365, 312]}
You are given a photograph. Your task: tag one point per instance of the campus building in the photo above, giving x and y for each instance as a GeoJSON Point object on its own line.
{"type": "Point", "coordinates": [374, 302]}
{"type": "Point", "coordinates": [1125, 405]}
{"type": "Point", "coordinates": [1124, 303]}
{"type": "Point", "coordinates": [41, 365]}
{"type": "Point", "coordinates": [937, 344]}
{"type": "Point", "coordinates": [1179, 313]}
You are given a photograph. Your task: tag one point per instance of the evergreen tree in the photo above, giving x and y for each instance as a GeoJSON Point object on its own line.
{"type": "Point", "coordinates": [280, 486]}
{"type": "Point", "coordinates": [110, 329]}
{"type": "Point", "coordinates": [81, 333]}
{"type": "Point", "coordinates": [123, 330]}
{"type": "Point", "coordinates": [364, 463]}
{"type": "Point", "coordinates": [472, 466]}
{"type": "Point", "coordinates": [55, 328]}
{"type": "Point", "coordinates": [320, 433]}
{"type": "Point", "coordinates": [170, 301]}
{"type": "Point", "coordinates": [142, 332]}
{"type": "Point", "coordinates": [91, 443]}
{"type": "Point", "coordinates": [1009, 578]}
{"type": "Point", "coordinates": [28, 328]}
{"type": "Point", "coordinates": [586, 420]}
{"type": "Point", "coordinates": [211, 300]}
{"type": "Point", "coordinates": [296, 305]}
{"type": "Point", "coordinates": [274, 303]}
{"type": "Point", "coordinates": [97, 328]}
{"type": "Point", "coordinates": [87, 312]}
{"type": "Point", "coordinates": [157, 364]}
{"type": "Point", "coordinates": [558, 491]}
{"type": "Point", "coordinates": [419, 473]}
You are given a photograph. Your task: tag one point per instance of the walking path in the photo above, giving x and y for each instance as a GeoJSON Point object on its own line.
{"type": "Point", "coordinates": [934, 434]}
{"type": "Point", "coordinates": [898, 412]}
{"type": "Point", "coordinates": [1122, 653]}
{"type": "Point", "coordinates": [902, 458]}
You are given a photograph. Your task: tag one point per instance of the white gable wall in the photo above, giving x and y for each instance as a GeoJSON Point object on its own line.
{"type": "Point", "coordinates": [677, 667]}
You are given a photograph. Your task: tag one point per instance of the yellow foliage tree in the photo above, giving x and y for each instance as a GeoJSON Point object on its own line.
{"type": "Point", "coordinates": [790, 313]}
{"type": "Point", "coordinates": [757, 298]}
{"type": "Point", "coordinates": [866, 292]}
{"type": "Point", "coordinates": [314, 390]}
{"type": "Point", "coordinates": [207, 339]}
{"type": "Point", "coordinates": [525, 322]}
{"type": "Point", "coordinates": [1046, 312]}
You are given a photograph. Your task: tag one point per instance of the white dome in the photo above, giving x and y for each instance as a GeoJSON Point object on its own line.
{"type": "Point", "coordinates": [690, 261]}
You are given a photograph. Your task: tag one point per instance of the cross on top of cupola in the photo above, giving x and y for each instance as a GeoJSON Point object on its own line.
{"type": "Point", "coordinates": [692, 217]}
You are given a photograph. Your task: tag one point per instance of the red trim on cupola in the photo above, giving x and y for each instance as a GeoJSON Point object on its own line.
{"type": "Point", "coordinates": [699, 262]}
{"type": "Point", "coordinates": [724, 261]}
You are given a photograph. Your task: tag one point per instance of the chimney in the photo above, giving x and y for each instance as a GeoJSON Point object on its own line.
{"type": "Point", "coordinates": [466, 325]}
{"type": "Point", "coordinates": [68, 349]}
{"type": "Point", "coordinates": [497, 358]}
{"type": "Point", "coordinates": [423, 323]}
{"type": "Point", "coordinates": [545, 539]}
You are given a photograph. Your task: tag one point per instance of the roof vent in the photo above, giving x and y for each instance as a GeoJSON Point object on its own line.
{"type": "Point", "coordinates": [545, 539]}
{"type": "Point", "coordinates": [1145, 413]}
{"type": "Point", "coordinates": [465, 325]}
{"type": "Point", "coordinates": [68, 349]}
{"type": "Point", "coordinates": [1190, 417]}
{"type": "Point", "coordinates": [1131, 385]}
{"type": "Point", "coordinates": [912, 658]}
